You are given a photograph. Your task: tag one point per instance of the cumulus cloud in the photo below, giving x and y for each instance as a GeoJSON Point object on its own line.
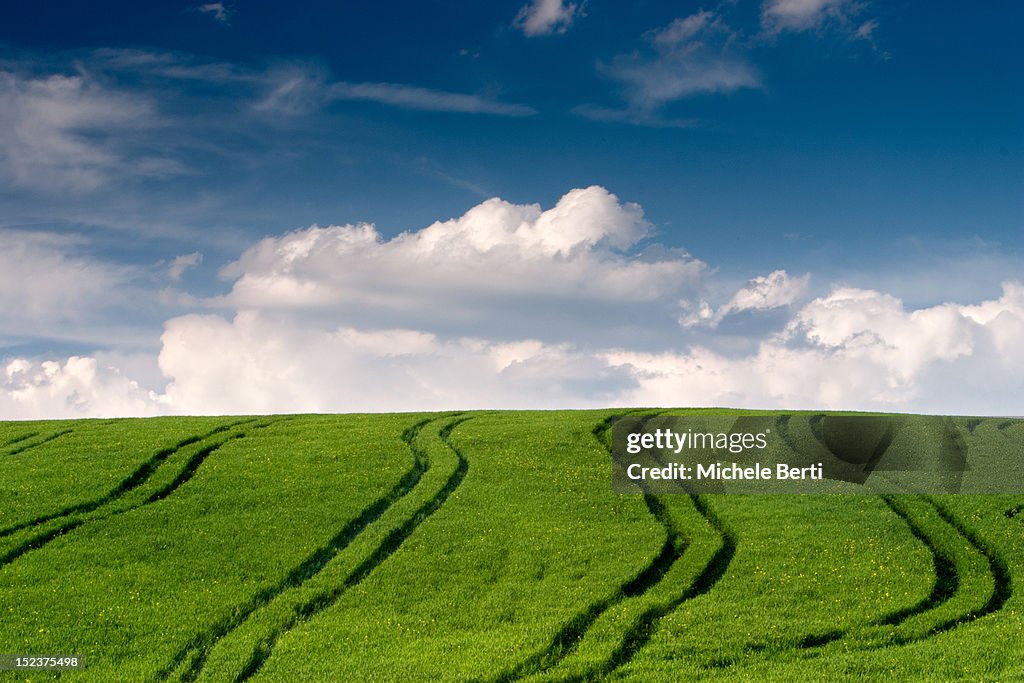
{"type": "Point", "coordinates": [544, 17]}
{"type": "Point", "coordinates": [851, 349]}
{"type": "Point", "coordinates": [857, 349]}
{"type": "Point", "coordinates": [465, 313]}
{"type": "Point", "coordinates": [77, 387]}
{"type": "Point", "coordinates": [501, 269]}
{"type": "Point", "coordinates": [66, 132]}
{"type": "Point", "coordinates": [775, 290]}
{"type": "Point", "coordinates": [270, 365]}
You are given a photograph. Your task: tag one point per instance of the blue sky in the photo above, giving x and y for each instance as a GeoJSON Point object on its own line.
{"type": "Point", "coordinates": [852, 146]}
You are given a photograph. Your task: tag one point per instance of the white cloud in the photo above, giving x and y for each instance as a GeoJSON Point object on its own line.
{"type": "Point", "coordinates": [270, 365]}
{"type": "Point", "coordinates": [45, 283]}
{"type": "Point", "coordinates": [412, 97]}
{"type": "Point", "coordinates": [182, 263]}
{"type": "Point", "coordinates": [512, 306]}
{"type": "Point", "coordinates": [294, 90]}
{"type": "Point", "coordinates": [65, 132]}
{"type": "Point", "coordinates": [78, 387]}
{"type": "Point", "coordinates": [652, 84]}
{"type": "Point", "coordinates": [857, 349]}
{"type": "Point", "coordinates": [693, 55]}
{"type": "Point", "coordinates": [501, 269]}
{"type": "Point", "coordinates": [775, 290]}
{"type": "Point", "coordinates": [544, 17]}
{"type": "Point", "coordinates": [866, 30]}
{"type": "Point", "coordinates": [804, 15]}
{"type": "Point", "coordinates": [218, 10]}
{"type": "Point", "coordinates": [852, 349]}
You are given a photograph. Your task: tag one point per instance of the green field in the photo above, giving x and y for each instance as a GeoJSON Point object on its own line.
{"type": "Point", "coordinates": [484, 546]}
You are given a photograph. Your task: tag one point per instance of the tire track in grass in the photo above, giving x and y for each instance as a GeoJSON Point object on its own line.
{"type": "Point", "coordinates": [18, 439]}
{"type": "Point", "coordinates": [1014, 511]}
{"type": "Point", "coordinates": [189, 662]}
{"type": "Point", "coordinates": [641, 632]}
{"type": "Point", "coordinates": [22, 447]}
{"type": "Point", "coordinates": [198, 650]}
{"type": "Point", "coordinates": [1002, 588]}
{"type": "Point", "coordinates": [568, 637]}
{"type": "Point", "coordinates": [141, 474]}
{"type": "Point", "coordinates": [94, 514]}
{"type": "Point", "coordinates": [947, 580]}
{"type": "Point", "coordinates": [950, 584]}
{"type": "Point", "coordinates": [387, 547]}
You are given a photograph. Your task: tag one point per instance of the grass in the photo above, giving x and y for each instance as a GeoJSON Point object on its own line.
{"type": "Point", "coordinates": [484, 546]}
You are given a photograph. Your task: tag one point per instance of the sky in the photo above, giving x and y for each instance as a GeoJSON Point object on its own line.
{"type": "Point", "coordinates": [256, 207]}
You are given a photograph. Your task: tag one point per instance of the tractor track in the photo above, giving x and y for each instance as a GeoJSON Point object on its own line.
{"type": "Point", "coordinates": [391, 543]}
{"type": "Point", "coordinates": [17, 439]}
{"type": "Point", "coordinates": [569, 636]}
{"type": "Point", "coordinates": [129, 483]}
{"type": "Point", "coordinates": [69, 515]}
{"type": "Point", "coordinates": [641, 632]}
{"type": "Point", "coordinates": [20, 446]}
{"type": "Point", "coordinates": [198, 650]}
{"type": "Point", "coordinates": [948, 580]}
{"type": "Point", "coordinates": [192, 658]}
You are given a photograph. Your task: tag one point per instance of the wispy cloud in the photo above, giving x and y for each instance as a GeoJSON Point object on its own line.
{"type": "Point", "coordinates": [690, 56]}
{"type": "Point", "coordinates": [413, 97]}
{"type": "Point", "coordinates": [811, 15]}
{"type": "Point", "coordinates": [866, 30]}
{"type": "Point", "coordinates": [635, 117]}
{"type": "Point", "coordinates": [68, 131]}
{"type": "Point", "coordinates": [47, 282]}
{"type": "Point", "coordinates": [217, 10]}
{"type": "Point", "coordinates": [296, 90]}
{"type": "Point", "coordinates": [544, 17]}
{"type": "Point", "coordinates": [182, 263]}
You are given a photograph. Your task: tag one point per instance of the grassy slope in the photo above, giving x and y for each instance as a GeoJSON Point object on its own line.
{"type": "Point", "coordinates": [483, 546]}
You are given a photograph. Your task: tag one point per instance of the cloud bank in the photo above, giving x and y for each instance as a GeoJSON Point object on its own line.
{"type": "Point", "coordinates": [516, 306]}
